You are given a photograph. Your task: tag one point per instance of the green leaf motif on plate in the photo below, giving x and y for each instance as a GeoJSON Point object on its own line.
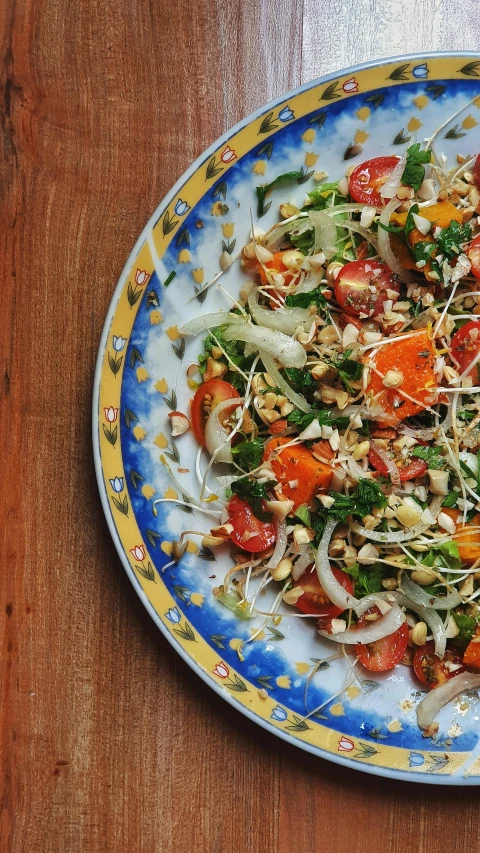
{"type": "Point", "coordinates": [213, 169]}
{"type": "Point", "coordinates": [217, 640]}
{"type": "Point", "coordinates": [297, 724]}
{"type": "Point", "coordinates": [136, 478]}
{"type": "Point", "coordinates": [265, 150]}
{"type": "Point", "coordinates": [186, 632]}
{"type": "Point", "coordinates": [147, 573]}
{"type": "Point", "coordinates": [275, 634]}
{"type": "Point", "coordinates": [435, 91]}
{"type": "Point", "coordinates": [121, 505]}
{"type": "Point", "coordinates": [366, 751]}
{"type": "Point", "coordinates": [471, 69]}
{"type": "Point", "coordinates": [130, 418]}
{"type": "Point", "coordinates": [133, 295]}
{"type": "Point", "coordinates": [265, 680]}
{"type": "Point", "coordinates": [206, 553]}
{"type": "Point", "coordinates": [318, 120]}
{"type": "Point", "coordinates": [401, 138]}
{"type": "Point", "coordinates": [220, 190]}
{"type": "Point", "coordinates": [179, 349]}
{"type": "Point", "coordinates": [172, 453]}
{"type": "Point", "coordinates": [330, 92]}
{"type": "Point", "coordinates": [152, 536]}
{"type": "Point", "coordinates": [236, 684]}
{"type": "Point", "coordinates": [400, 73]}
{"type": "Point", "coordinates": [171, 400]}
{"type": "Point", "coordinates": [375, 101]}
{"type": "Point", "coordinates": [183, 236]}
{"type": "Point", "coordinates": [115, 364]}
{"type": "Point", "coordinates": [168, 223]}
{"type": "Point", "coordinates": [135, 356]}
{"type": "Point", "coordinates": [437, 762]}
{"type": "Point", "coordinates": [182, 592]}
{"type": "Point", "coordinates": [267, 125]}
{"type": "Point", "coordinates": [110, 434]}
{"type": "Point", "coordinates": [454, 133]}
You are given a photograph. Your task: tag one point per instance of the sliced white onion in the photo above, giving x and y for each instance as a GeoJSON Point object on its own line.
{"type": "Point", "coordinates": [311, 281]}
{"type": "Point", "coordinates": [280, 543]}
{"type": "Point", "coordinates": [359, 229]}
{"type": "Point", "coordinates": [434, 701]}
{"type": "Point", "coordinates": [325, 231]}
{"type": "Point", "coordinates": [209, 321]}
{"type": "Point", "coordinates": [282, 319]}
{"type": "Point", "coordinates": [431, 618]}
{"type": "Point", "coordinates": [401, 535]}
{"type": "Point", "coordinates": [302, 564]}
{"type": "Point", "coordinates": [389, 464]}
{"type": "Point", "coordinates": [289, 352]}
{"type": "Point", "coordinates": [383, 627]}
{"type": "Point", "coordinates": [394, 180]}
{"type": "Point", "coordinates": [216, 435]}
{"type": "Point", "coordinates": [437, 602]}
{"type": "Point", "coordinates": [297, 399]}
{"type": "Point", "coordinates": [332, 588]}
{"type": "Point", "coordinates": [384, 248]}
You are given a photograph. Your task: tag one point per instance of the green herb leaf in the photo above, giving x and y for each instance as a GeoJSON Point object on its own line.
{"type": "Point", "coordinates": [445, 555]}
{"type": "Point", "coordinates": [324, 417]}
{"type": "Point", "coordinates": [450, 238]}
{"type": "Point", "coordinates": [321, 196]}
{"type": "Point", "coordinates": [370, 580]}
{"type": "Point", "coordinates": [466, 625]}
{"type": "Point", "coordinates": [262, 191]}
{"type": "Point", "coordinates": [361, 501]}
{"type": "Point", "coordinates": [248, 454]}
{"type": "Point", "coordinates": [303, 513]}
{"type": "Point", "coordinates": [304, 300]}
{"type": "Point", "coordinates": [431, 455]}
{"type": "Point", "coordinates": [410, 223]}
{"type": "Point", "coordinates": [299, 379]}
{"type": "Point", "coordinates": [414, 173]}
{"type": "Point", "coordinates": [254, 493]}
{"type": "Point", "coordinates": [451, 499]}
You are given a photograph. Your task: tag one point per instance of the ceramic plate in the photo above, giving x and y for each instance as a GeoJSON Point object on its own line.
{"type": "Point", "coordinates": [352, 115]}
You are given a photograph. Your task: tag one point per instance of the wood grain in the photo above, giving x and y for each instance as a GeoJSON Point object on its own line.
{"type": "Point", "coordinates": [108, 741]}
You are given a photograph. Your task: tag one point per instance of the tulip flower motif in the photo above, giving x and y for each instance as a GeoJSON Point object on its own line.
{"type": "Point", "coordinates": [138, 552]}
{"type": "Point", "coordinates": [345, 744]}
{"type": "Point", "coordinates": [111, 414]}
{"type": "Point", "coordinates": [141, 277]}
{"type": "Point", "coordinates": [221, 670]}
{"type": "Point", "coordinates": [181, 208]}
{"type": "Point", "coordinates": [286, 114]}
{"type": "Point", "coordinates": [118, 343]}
{"type": "Point", "coordinates": [420, 71]}
{"type": "Point", "coordinates": [173, 615]}
{"type": "Point", "coordinates": [279, 714]}
{"type": "Point", "coordinates": [350, 86]}
{"type": "Point", "coordinates": [117, 484]}
{"type": "Point", "coordinates": [227, 155]}
{"type": "Point", "coordinates": [416, 759]}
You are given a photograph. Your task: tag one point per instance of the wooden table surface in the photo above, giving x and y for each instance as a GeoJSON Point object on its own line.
{"type": "Point", "coordinates": [108, 741]}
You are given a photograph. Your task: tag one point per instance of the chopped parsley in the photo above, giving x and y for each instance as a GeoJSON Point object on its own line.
{"type": "Point", "coordinates": [299, 378]}
{"type": "Point", "coordinates": [368, 579]}
{"type": "Point", "coordinates": [303, 513]}
{"type": "Point", "coordinates": [431, 455]}
{"type": "Point", "coordinates": [254, 493]}
{"type": "Point", "coordinates": [466, 625]}
{"type": "Point", "coordinates": [445, 555]}
{"type": "Point", "coordinates": [414, 172]}
{"type": "Point", "coordinates": [449, 240]}
{"type": "Point", "coordinates": [361, 501]}
{"type": "Point", "coordinates": [248, 454]}
{"type": "Point", "coordinates": [349, 370]}
{"type": "Point", "coordinates": [280, 179]}
{"type": "Point", "coordinates": [303, 241]}
{"type": "Point", "coordinates": [304, 300]}
{"type": "Point", "coordinates": [410, 223]}
{"type": "Point", "coordinates": [451, 499]}
{"type": "Point", "coordinates": [321, 195]}
{"type": "Point", "coordinates": [324, 417]}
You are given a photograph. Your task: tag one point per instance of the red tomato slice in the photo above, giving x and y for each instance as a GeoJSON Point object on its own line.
{"type": "Point", "coordinates": [383, 654]}
{"type": "Point", "coordinates": [473, 254]}
{"type": "Point", "coordinates": [314, 599]}
{"type": "Point", "coordinates": [476, 171]}
{"type": "Point", "coordinates": [245, 522]}
{"type": "Point", "coordinates": [367, 179]}
{"type": "Point", "coordinates": [414, 468]}
{"type": "Point", "coordinates": [362, 287]}
{"type": "Point", "coordinates": [430, 669]}
{"type": "Point", "coordinates": [466, 346]}
{"type": "Point", "coordinates": [218, 390]}
{"type": "Point", "coordinates": [471, 656]}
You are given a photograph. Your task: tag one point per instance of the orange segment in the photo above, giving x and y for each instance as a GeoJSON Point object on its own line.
{"type": "Point", "coordinates": [415, 359]}
{"type": "Point", "coordinates": [297, 464]}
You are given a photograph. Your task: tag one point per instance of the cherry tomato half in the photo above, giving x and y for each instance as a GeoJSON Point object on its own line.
{"type": "Point", "coordinates": [217, 390]}
{"type": "Point", "coordinates": [471, 655]}
{"type": "Point", "coordinates": [476, 171]}
{"type": "Point", "coordinates": [314, 599]}
{"type": "Point", "coordinates": [362, 287]}
{"type": "Point", "coordinates": [367, 179]}
{"type": "Point", "coordinates": [430, 669]}
{"type": "Point", "coordinates": [245, 523]}
{"type": "Point", "coordinates": [385, 653]}
{"type": "Point", "coordinates": [466, 346]}
{"type": "Point", "coordinates": [473, 254]}
{"type": "Point", "coordinates": [414, 468]}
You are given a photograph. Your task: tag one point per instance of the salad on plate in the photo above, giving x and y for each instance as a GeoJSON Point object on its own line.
{"type": "Point", "coordinates": [338, 407]}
